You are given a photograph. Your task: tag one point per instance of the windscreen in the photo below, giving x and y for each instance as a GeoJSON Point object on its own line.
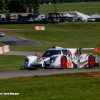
{"type": "Point", "coordinates": [50, 53]}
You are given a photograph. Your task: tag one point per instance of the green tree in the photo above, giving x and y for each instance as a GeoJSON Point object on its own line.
{"type": "Point", "coordinates": [33, 4]}
{"type": "Point", "coordinates": [17, 6]}
{"type": "Point", "coordinates": [1, 4]}
{"type": "Point", "coordinates": [36, 6]}
{"type": "Point", "coordinates": [4, 8]}
{"type": "Point", "coordinates": [6, 4]}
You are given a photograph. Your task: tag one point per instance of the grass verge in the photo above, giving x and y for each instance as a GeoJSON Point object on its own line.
{"type": "Point", "coordinates": [83, 7]}
{"type": "Point", "coordinates": [79, 86]}
{"type": "Point", "coordinates": [67, 35]}
{"type": "Point", "coordinates": [11, 62]}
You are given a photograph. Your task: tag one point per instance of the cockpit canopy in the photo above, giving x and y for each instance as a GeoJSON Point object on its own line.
{"type": "Point", "coordinates": [50, 53]}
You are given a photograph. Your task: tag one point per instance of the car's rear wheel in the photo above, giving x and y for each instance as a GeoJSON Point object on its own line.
{"type": "Point", "coordinates": [91, 61]}
{"type": "Point", "coordinates": [63, 62]}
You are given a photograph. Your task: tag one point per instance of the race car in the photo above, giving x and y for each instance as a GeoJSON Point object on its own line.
{"type": "Point", "coordinates": [58, 57]}
{"type": "Point", "coordinates": [2, 34]}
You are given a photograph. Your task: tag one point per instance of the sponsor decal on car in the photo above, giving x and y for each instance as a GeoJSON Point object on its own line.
{"type": "Point", "coordinates": [59, 66]}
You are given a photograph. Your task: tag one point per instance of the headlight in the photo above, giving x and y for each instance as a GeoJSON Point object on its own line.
{"type": "Point", "coordinates": [52, 59]}
{"type": "Point", "coordinates": [26, 60]}
{"type": "Point", "coordinates": [38, 59]}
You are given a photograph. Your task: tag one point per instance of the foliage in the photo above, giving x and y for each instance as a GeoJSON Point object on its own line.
{"type": "Point", "coordinates": [18, 6]}
{"type": "Point", "coordinates": [1, 4]}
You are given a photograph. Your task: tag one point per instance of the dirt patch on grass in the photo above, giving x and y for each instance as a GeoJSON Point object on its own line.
{"type": "Point", "coordinates": [89, 74]}
{"type": "Point", "coordinates": [96, 75]}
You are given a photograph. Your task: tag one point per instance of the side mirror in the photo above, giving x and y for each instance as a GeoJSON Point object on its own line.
{"type": "Point", "coordinates": [36, 54]}
{"type": "Point", "coordinates": [69, 53]}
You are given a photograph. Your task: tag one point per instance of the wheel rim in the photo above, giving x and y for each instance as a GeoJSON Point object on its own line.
{"type": "Point", "coordinates": [91, 61]}
{"type": "Point", "coordinates": [63, 62]}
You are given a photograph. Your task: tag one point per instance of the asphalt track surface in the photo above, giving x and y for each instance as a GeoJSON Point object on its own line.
{"type": "Point", "coordinates": [33, 73]}
{"type": "Point", "coordinates": [22, 53]}
{"type": "Point", "coordinates": [17, 41]}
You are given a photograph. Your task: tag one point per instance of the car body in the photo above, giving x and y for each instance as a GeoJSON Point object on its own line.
{"type": "Point", "coordinates": [91, 19]}
{"type": "Point", "coordinates": [58, 57]}
{"type": "Point", "coordinates": [2, 34]}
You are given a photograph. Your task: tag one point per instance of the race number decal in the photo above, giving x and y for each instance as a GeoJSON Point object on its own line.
{"type": "Point", "coordinates": [69, 64]}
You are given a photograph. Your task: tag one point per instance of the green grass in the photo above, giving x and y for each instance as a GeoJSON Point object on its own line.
{"type": "Point", "coordinates": [11, 62]}
{"type": "Point", "coordinates": [82, 86]}
{"type": "Point", "coordinates": [83, 7]}
{"type": "Point", "coordinates": [67, 35]}
{"type": "Point", "coordinates": [1, 44]}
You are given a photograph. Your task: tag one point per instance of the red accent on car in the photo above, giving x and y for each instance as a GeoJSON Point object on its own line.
{"type": "Point", "coordinates": [91, 61]}
{"type": "Point", "coordinates": [96, 49]}
{"type": "Point", "coordinates": [36, 54]}
{"type": "Point", "coordinates": [76, 51]}
{"type": "Point", "coordinates": [63, 62]}
{"type": "Point", "coordinates": [69, 53]}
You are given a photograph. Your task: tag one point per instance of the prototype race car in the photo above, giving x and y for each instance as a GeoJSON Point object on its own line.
{"type": "Point", "coordinates": [58, 57]}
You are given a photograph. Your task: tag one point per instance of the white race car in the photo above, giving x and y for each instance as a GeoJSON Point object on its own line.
{"type": "Point", "coordinates": [58, 57]}
{"type": "Point", "coordinates": [2, 34]}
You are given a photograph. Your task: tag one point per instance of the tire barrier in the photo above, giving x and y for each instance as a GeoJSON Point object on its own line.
{"type": "Point", "coordinates": [39, 27]}
{"type": "Point", "coordinates": [4, 49]}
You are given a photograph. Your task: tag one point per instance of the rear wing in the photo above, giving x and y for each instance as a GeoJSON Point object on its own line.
{"type": "Point", "coordinates": [95, 49]}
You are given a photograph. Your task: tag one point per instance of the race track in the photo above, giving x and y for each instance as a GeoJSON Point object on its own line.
{"type": "Point", "coordinates": [32, 73]}
{"type": "Point", "coordinates": [17, 41]}
{"type": "Point", "coordinates": [14, 40]}
{"type": "Point", "coordinates": [22, 53]}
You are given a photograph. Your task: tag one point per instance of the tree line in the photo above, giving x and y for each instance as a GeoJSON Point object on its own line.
{"type": "Point", "coordinates": [19, 6]}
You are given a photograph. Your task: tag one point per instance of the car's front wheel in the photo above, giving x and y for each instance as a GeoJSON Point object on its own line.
{"type": "Point", "coordinates": [63, 62]}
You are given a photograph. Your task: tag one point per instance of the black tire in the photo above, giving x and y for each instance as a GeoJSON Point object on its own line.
{"type": "Point", "coordinates": [32, 68]}
{"type": "Point", "coordinates": [45, 68]}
